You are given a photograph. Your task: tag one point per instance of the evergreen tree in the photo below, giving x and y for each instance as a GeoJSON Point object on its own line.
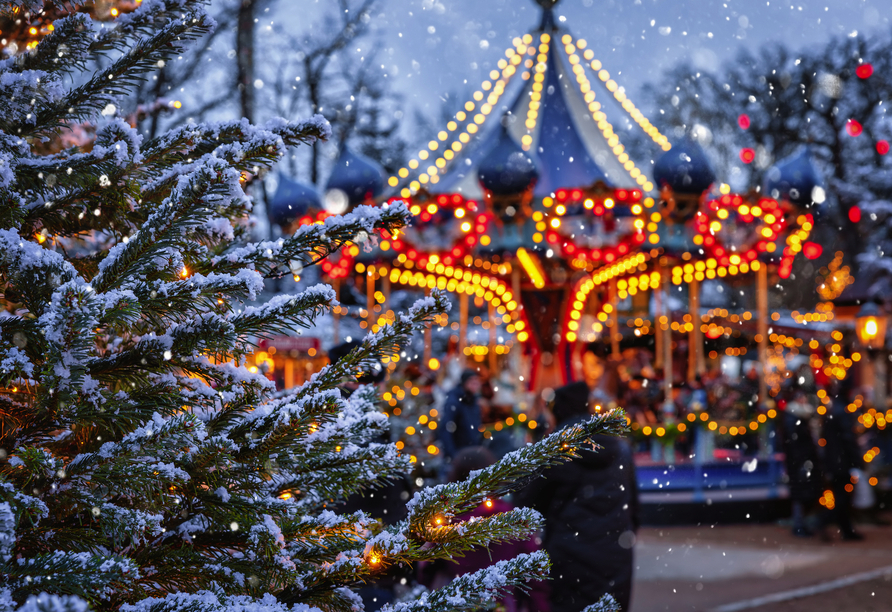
{"type": "Point", "coordinates": [142, 466]}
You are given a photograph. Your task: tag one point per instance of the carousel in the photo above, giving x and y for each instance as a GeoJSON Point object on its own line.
{"type": "Point", "coordinates": [529, 209]}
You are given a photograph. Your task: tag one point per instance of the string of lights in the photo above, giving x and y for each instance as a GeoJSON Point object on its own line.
{"type": "Point", "coordinates": [601, 119]}
{"type": "Point", "coordinates": [611, 85]}
{"type": "Point", "coordinates": [497, 83]}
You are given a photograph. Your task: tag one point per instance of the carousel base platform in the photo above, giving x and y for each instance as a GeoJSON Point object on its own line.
{"type": "Point", "coordinates": [725, 492]}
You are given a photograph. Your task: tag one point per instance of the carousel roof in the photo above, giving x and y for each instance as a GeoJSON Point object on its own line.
{"type": "Point", "coordinates": [555, 115]}
{"type": "Point", "coordinates": [507, 168]}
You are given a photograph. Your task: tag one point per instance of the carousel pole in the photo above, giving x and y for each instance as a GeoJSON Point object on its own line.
{"type": "Point", "coordinates": [667, 343]}
{"type": "Point", "coordinates": [762, 305]}
{"type": "Point", "coordinates": [493, 342]}
{"type": "Point", "coordinates": [370, 298]}
{"type": "Point", "coordinates": [463, 327]}
{"type": "Point", "coordinates": [427, 336]}
{"type": "Point", "coordinates": [385, 289]}
{"type": "Point", "coordinates": [522, 363]}
{"type": "Point", "coordinates": [658, 336]}
{"type": "Point", "coordinates": [668, 408]}
{"type": "Point", "coordinates": [614, 326]}
{"type": "Point", "coordinates": [694, 339]}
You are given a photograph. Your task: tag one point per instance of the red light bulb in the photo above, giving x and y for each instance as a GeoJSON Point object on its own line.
{"type": "Point", "coordinates": [853, 127]}
{"type": "Point", "coordinates": [747, 155]}
{"type": "Point", "coordinates": [864, 71]}
{"type": "Point", "coordinates": [812, 250]}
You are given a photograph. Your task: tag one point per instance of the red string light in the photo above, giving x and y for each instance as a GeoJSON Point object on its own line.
{"type": "Point", "coordinates": [864, 71]}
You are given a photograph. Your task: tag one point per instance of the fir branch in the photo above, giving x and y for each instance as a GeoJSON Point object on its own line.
{"type": "Point", "coordinates": [45, 602]}
{"type": "Point", "coordinates": [606, 604]}
{"type": "Point", "coordinates": [312, 243]}
{"type": "Point", "coordinates": [510, 473]}
{"type": "Point", "coordinates": [105, 86]}
{"type": "Point", "coordinates": [284, 313]}
{"type": "Point", "coordinates": [62, 51]}
{"type": "Point", "coordinates": [479, 589]}
{"type": "Point", "coordinates": [91, 577]}
{"type": "Point", "coordinates": [191, 141]}
{"type": "Point", "coordinates": [189, 204]}
{"type": "Point", "coordinates": [32, 271]}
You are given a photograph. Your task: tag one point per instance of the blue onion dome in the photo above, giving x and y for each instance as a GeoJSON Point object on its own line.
{"type": "Point", "coordinates": [354, 179]}
{"type": "Point", "coordinates": [292, 200]}
{"type": "Point", "coordinates": [795, 179]}
{"type": "Point", "coordinates": [684, 168]}
{"type": "Point", "coordinates": [506, 168]}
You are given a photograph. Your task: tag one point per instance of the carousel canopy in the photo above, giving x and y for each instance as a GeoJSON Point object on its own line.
{"type": "Point", "coordinates": [507, 168]}
{"type": "Point", "coordinates": [555, 115]}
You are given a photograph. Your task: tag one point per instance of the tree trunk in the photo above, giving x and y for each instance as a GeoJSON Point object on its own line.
{"type": "Point", "coordinates": [244, 41]}
{"type": "Point", "coordinates": [313, 87]}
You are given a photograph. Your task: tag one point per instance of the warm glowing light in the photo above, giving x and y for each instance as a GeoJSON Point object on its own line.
{"type": "Point", "coordinates": [532, 267]}
{"type": "Point", "coordinates": [871, 328]}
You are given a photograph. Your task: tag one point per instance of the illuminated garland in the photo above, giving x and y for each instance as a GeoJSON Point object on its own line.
{"type": "Point", "coordinates": [498, 81]}
{"type": "Point", "coordinates": [586, 286]}
{"type": "Point", "coordinates": [601, 119]}
{"type": "Point", "coordinates": [457, 280]}
{"type": "Point", "coordinates": [735, 428]}
{"type": "Point", "coordinates": [610, 84]}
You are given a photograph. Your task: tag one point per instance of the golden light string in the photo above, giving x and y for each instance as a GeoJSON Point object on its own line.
{"type": "Point", "coordinates": [539, 70]}
{"type": "Point", "coordinates": [497, 83]}
{"type": "Point", "coordinates": [456, 279]}
{"type": "Point", "coordinates": [599, 277]}
{"type": "Point", "coordinates": [617, 91]}
{"type": "Point", "coordinates": [732, 428]}
{"type": "Point", "coordinates": [599, 117]}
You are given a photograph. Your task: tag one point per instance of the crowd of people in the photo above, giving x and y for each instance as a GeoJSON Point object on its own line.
{"type": "Point", "coordinates": [589, 505]}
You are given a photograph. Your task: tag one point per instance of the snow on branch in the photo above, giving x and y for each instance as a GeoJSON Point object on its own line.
{"type": "Point", "coordinates": [606, 604]}
{"type": "Point", "coordinates": [479, 589]}
{"type": "Point", "coordinates": [312, 243]}
{"type": "Point", "coordinates": [191, 202]}
{"type": "Point", "coordinates": [510, 473]}
{"type": "Point", "coordinates": [107, 85]}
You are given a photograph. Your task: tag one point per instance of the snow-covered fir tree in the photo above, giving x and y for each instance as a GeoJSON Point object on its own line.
{"type": "Point", "coordinates": [142, 466]}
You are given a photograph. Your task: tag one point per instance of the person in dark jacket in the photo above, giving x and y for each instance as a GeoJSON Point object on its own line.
{"type": "Point", "coordinates": [590, 510]}
{"type": "Point", "coordinates": [461, 418]}
{"type": "Point", "coordinates": [801, 459]}
{"type": "Point", "coordinates": [841, 455]}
